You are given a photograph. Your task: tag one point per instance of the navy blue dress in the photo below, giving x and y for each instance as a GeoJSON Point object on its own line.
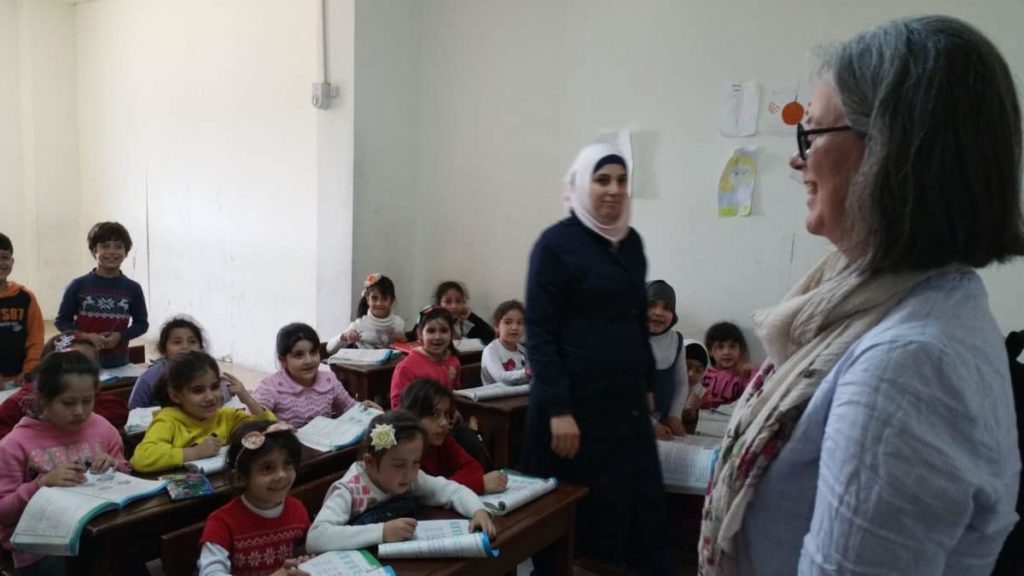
{"type": "Point", "coordinates": [586, 320]}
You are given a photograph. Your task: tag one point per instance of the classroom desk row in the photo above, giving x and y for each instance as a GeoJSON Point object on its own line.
{"type": "Point", "coordinates": [111, 541]}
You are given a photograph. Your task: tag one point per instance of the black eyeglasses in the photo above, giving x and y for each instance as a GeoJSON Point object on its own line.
{"type": "Point", "coordinates": [803, 143]}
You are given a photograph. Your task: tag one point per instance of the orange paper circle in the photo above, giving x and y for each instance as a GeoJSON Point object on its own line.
{"type": "Point", "coordinates": [792, 113]}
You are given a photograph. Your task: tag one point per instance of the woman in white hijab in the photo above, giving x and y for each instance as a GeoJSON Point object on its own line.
{"type": "Point", "coordinates": [586, 314]}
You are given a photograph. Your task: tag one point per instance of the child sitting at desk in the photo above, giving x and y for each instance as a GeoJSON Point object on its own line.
{"type": "Point", "coordinates": [300, 390]}
{"type": "Point", "coordinates": [179, 334]}
{"type": "Point", "coordinates": [504, 359]}
{"type": "Point", "coordinates": [57, 449]}
{"type": "Point", "coordinates": [454, 297]}
{"type": "Point", "coordinates": [373, 501]}
{"type": "Point", "coordinates": [259, 532]}
{"type": "Point", "coordinates": [730, 369]}
{"type": "Point", "coordinates": [377, 326]}
{"type": "Point", "coordinates": [23, 402]}
{"type": "Point", "coordinates": [192, 424]}
{"type": "Point", "coordinates": [434, 406]}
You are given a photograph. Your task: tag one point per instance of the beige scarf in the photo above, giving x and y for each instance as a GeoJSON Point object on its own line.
{"type": "Point", "coordinates": [805, 336]}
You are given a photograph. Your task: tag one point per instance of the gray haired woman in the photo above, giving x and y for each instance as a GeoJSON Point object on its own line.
{"type": "Point", "coordinates": [879, 437]}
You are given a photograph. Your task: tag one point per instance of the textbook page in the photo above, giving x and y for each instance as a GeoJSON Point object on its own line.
{"type": "Point", "coordinates": [126, 371]}
{"type": "Point", "coordinates": [327, 434]}
{"type": "Point", "coordinates": [361, 356]}
{"type": "Point", "coordinates": [476, 545]}
{"type": "Point", "coordinates": [52, 520]}
{"type": "Point", "coordinates": [687, 463]}
{"type": "Point", "coordinates": [117, 487]}
{"type": "Point", "coordinates": [714, 422]}
{"type": "Point", "coordinates": [433, 529]}
{"type": "Point", "coordinates": [469, 345]}
{"type": "Point", "coordinates": [345, 563]}
{"type": "Point", "coordinates": [210, 465]}
{"type": "Point", "coordinates": [489, 391]}
{"type": "Point", "coordinates": [139, 419]}
{"type": "Point", "coordinates": [521, 490]}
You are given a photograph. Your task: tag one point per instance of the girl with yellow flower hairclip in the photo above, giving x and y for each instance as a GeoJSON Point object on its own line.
{"type": "Point", "coordinates": [376, 327]}
{"type": "Point", "coordinates": [374, 501]}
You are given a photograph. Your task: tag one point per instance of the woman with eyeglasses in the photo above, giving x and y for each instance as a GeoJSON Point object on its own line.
{"type": "Point", "coordinates": [588, 421]}
{"type": "Point", "coordinates": [879, 437]}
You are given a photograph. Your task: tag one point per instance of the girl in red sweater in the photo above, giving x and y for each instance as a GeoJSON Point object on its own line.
{"type": "Point", "coordinates": [433, 405]}
{"type": "Point", "coordinates": [259, 532]}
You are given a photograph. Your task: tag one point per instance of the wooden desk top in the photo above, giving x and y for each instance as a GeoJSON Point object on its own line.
{"type": "Point", "coordinates": [315, 464]}
{"type": "Point", "coordinates": [514, 530]}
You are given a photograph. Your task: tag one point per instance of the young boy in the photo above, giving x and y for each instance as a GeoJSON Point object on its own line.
{"type": "Point", "coordinates": [104, 304]}
{"type": "Point", "coordinates": [730, 370]}
{"type": "Point", "coordinates": [21, 323]}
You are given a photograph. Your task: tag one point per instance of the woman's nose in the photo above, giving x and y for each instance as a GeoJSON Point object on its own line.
{"type": "Point", "coordinates": [796, 162]}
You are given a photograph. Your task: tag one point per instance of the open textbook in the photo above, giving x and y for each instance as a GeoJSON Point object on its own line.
{"type": "Point", "coordinates": [489, 391]}
{"type": "Point", "coordinates": [464, 345]}
{"type": "Point", "coordinates": [345, 563]}
{"type": "Point", "coordinates": [365, 357]}
{"type": "Point", "coordinates": [714, 422]}
{"type": "Point", "coordinates": [521, 490]}
{"type": "Point", "coordinates": [53, 520]}
{"type": "Point", "coordinates": [128, 371]}
{"type": "Point", "coordinates": [687, 462]}
{"type": "Point", "coordinates": [328, 434]}
{"type": "Point", "coordinates": [211, 464]}
{"type": "Point", "coordinates": [440, 539]}
{"type": "Point", "coordinates": [139, 419]}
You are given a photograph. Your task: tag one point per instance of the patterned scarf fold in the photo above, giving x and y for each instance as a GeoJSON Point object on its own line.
{"type": "Point", "coordinates": [805, 335]}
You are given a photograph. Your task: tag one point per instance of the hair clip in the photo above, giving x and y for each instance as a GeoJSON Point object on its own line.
{"type": "Point", "coordinates": [382, 437]}
{"type": "Point", "coordinates": [370, 281]}
{"type": "Point", "coordinates": [254, 440]}
{"type": "Point", "coordinates": [63, 343]}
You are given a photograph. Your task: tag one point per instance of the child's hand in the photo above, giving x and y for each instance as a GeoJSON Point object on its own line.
{"type": "Point", "coordinates": [372, 404]}
{"type": "Point", "coordinates": [96, 339]}
{"type": "Point", "coordinates": [399, 337]}
{"type": "Point", "coordinates": [291, 567]}
{"type": "Point", "coordinates": [400, 529]}
{"type": "Point", "coordinates": [206, 448]}
{"type": "Point", "coordinates": [495, 481]}
{"type": "Point", "coordinates": [662, 432]}
{"type": "Point", "coordinates": [236, 387]}
{"type": "Point", "coordinates": [482, 522]}
{"type": "Point", "coordinates": [351, 337]}
{"type": "Point", "coordinates": [63, 475]}
{"type": "Point", "coordinates": [675, 424]}
{"type": "Point", "coordinates": [111, 339]}
{"type": "Point", "coordinates": [529, 371]}
{"type": "Point", "coordinates": [101, 462]}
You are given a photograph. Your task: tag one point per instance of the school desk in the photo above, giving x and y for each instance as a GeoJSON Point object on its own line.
{"type": "Point", "coordinates": [110, 539]}
{"type": "Point", "coordinates": [547, 522]}
{"type": "Point", "coordinates": [501, 422]}
{"type": "Point", "coordinates": [374, 382]}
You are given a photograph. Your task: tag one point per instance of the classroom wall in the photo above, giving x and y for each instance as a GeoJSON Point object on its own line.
{"type": "Point", "coordinates": [507, 92]}
{"type": "Point", "coordinates": [39, 145]}
{"type": "Point", "coordinates": [197, 132]}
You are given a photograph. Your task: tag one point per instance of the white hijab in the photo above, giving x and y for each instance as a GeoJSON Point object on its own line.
{"type": "Point", "coordinates": [577, 192]}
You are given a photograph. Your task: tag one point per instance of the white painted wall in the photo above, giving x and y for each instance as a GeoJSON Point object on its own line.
{"type": "Point", "coordinates": [505, 93]}
{"type": "Point", "coordinates": [39, 145]}
{"type": "Point", "coordinates": [198, 134]}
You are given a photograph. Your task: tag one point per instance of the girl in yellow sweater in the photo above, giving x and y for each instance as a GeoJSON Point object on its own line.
{"type": "Point", "coordinates": [192, 424]}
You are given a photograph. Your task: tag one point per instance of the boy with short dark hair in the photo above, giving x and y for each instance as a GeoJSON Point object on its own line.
{"type": "Point", "coordinates": [105, 304]}
{"type": "Point", "coordinates": [21, 322]}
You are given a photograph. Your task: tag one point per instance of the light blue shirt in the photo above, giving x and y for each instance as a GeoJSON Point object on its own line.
{"type": "Point", "coordinates": [906, 461]}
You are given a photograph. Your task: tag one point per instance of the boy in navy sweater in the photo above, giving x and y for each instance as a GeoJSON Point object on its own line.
{"type": "Point", "coordinates": [105, 304]}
